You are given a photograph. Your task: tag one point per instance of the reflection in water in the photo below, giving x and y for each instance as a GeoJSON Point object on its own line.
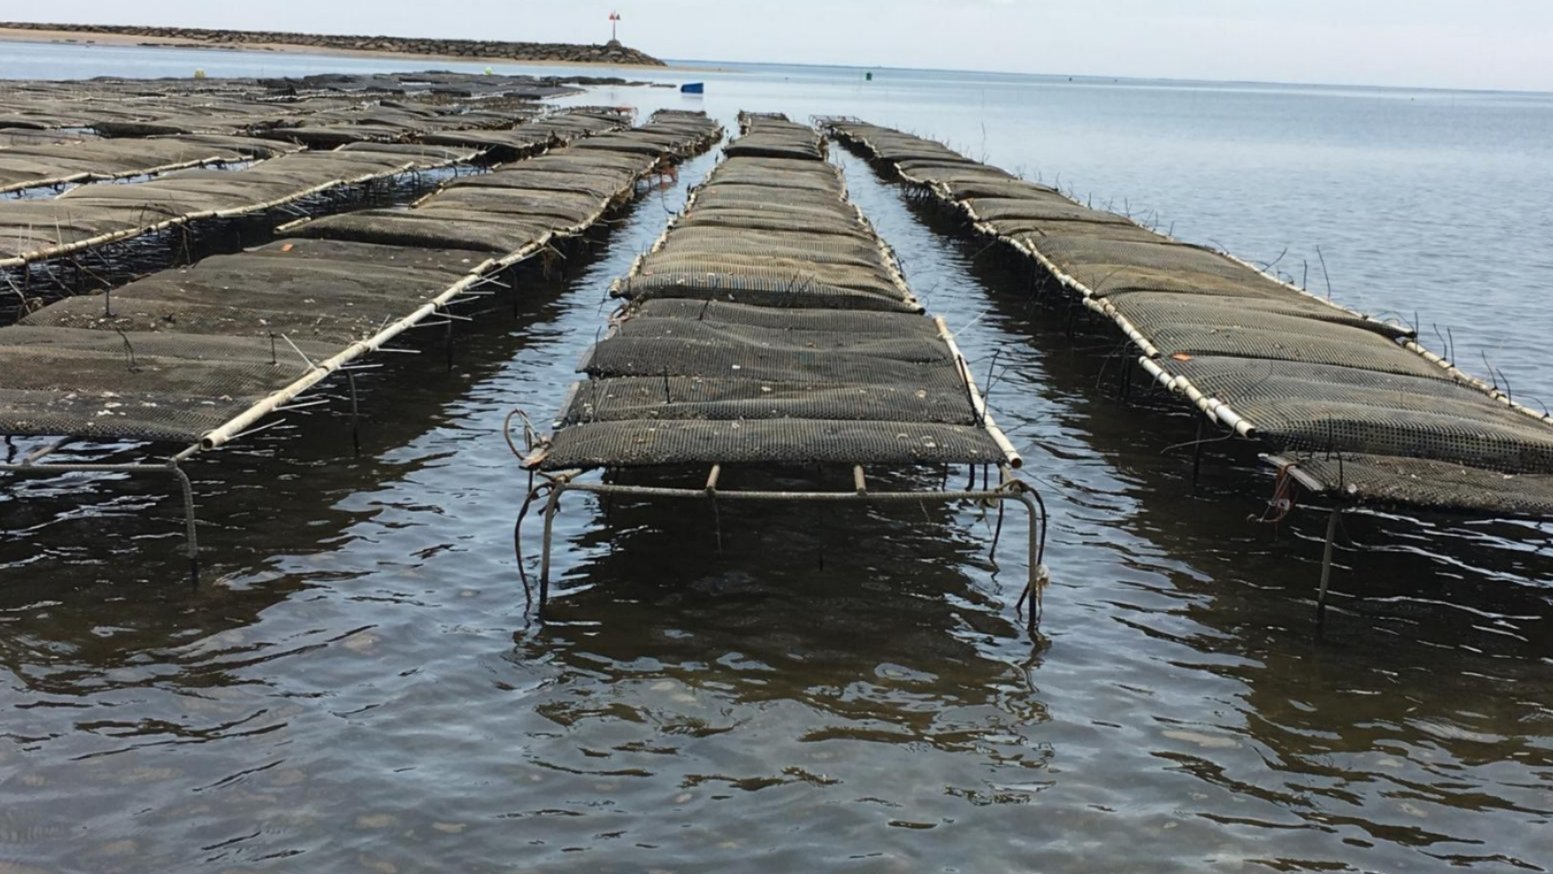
{"type": "Point", "coordinates": [1368, 738]}
{"type": "Point", "coordinates": [795, 629]}
{"type": "Point", "coordinates": [111, 266]}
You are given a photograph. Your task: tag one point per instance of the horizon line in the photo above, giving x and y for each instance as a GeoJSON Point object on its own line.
{"type": "Point", "coordinates": [673, 61]}
{"type": "Point", "coordinates": [1123, 78]}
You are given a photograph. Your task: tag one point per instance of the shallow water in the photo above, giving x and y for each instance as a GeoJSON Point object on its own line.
{"type": "Point", "coordinates": [358, 685]}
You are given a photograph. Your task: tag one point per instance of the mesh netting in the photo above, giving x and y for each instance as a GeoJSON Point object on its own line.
{"type": "Point", "coordinates": [855, 249]}
{"type": "Point", "coordinates": [44, 341]}
{"type": "Point", "coordinates": [1049, 235]}
{"type": "Point", "coordinates": [775, 289]}
{"type": "Point", "coordinates": [568, 206]}
{"type": "Point", "coordinates": [640, 443]}
{"type": "Point", "coordinates": [911, 160]}
{"type": "Point", "coordinates": [124, 414]}
{"type": "Point", "coordinates": [856, 322]}
{"type": "Point", "coordinates": [1073, 251]}
{"type": "Point", "coordinates": [944, 172]}
{"type": "Point", "coordinates": [626, 144]}
{"type": "Point", "coordinates": [534, 134]}
{"type": "Point", "coordinates": [383, 123]}
{"type": "Point", "coordinates": [542, 180]}
{"type": "Point", "coordinates": [798, 271]}
{"type": "Point", "coordinates": [508, 142]}
{"type": "Point", "coordinates": [90, 214]}
{"type": "Point", "coordinates": [881, 362]}
{"type": "Point", "coordinates": [1163, 308]}
{"type": "Point", "coordinates": [27, 166]}
{"type": "Point", "coordinates": [435, 155]}
{"type": "Point", "coordinates": [771, 244]}
{"type": "Point", "coordinates": [320, 290]}
{"type": "Point", "coordinates": [92, 383]}
{"type": "Point", "coordinates": [464, 229]}
{"type": "Point", "coordinates": [768, 326]}
{"type": "Point", "coordinates": [792, 203]}
{"type": "Point", "coordinates": [1048, 208]}
{"type": "Point", "coordinates": [95, 214]}
{"type": "Point", "coordinates": [1103, 279]}
{"type": "Point", "coordinates": [1384, 480]}
{"type": "Point", "coordinates": [1321, 407]}
{"type": "Point", "coordinates": [773, 136]}
{"type": "Point", "coordinates": [773, 220]}
{"type": "Point", "coordinates": [925, 346]}
{"type": "Point", "coordinates": [626, 398]}
{"type": "Point", "coordinates": [965, 185]}
{"type": "Point", "coordinates": [1257, 338]}
{"type": "Point", "coordinates": [773, 176]}
{"type": "Point", "coordinates": [1307, 375]}
{"type": "Point", "coordinates": [178, 354]}
{"type": "Point", "coordinates": [518, 208]}
{"type": "Point", "coordinates": [145, 107]}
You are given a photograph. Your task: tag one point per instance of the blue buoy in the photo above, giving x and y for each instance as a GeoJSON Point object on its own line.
{"type": "Point", "coordinates": [693, 88]}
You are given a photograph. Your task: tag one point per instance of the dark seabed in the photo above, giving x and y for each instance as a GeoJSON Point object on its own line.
{"type": "Point", "coordinates": [357, 687]}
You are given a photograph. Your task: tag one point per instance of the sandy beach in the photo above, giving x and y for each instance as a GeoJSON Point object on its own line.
{"type": "Point", "coordinates": [72, 37]}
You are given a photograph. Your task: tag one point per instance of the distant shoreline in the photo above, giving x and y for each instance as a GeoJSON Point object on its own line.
{"type": "Point", "coordinates": [411, 48]}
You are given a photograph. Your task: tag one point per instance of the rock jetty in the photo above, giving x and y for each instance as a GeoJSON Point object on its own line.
{"type": "Point", "coordinates": [611, 52]}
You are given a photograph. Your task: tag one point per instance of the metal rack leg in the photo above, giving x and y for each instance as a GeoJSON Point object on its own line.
{"type": "Point", "coordinates": [190, 523]}
{"type": "Point", "coordinates": [552, 505]}
{"type": "Point", "coordinates": [1326, 568]}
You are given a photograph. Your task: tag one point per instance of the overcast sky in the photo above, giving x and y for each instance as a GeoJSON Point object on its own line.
{"type": "Point", "coordinates": [1448, 43]}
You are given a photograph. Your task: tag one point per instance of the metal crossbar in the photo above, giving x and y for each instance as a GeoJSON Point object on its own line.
{"type": "Point", "coordinates": [1009, 488]}
{"type": "Point", "coordinates": [31, 466]}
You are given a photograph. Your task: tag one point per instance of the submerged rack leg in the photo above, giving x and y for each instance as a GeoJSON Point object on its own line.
{"type": "Point", "coordinates": [1197, 453]}
{"type": "Point", "coordinates": [1038, 577]}
{"type": "Point", "coordinates": [190, 524]}
{"type": "Point", "coordinates": [1326, 568]}
{"type": "Point", "coordinates": [551, 506]}
{"type": "Point", "coordinates": [350, 378]}
{"type": "Point", "coordinates": [997, 534]}
{"type": "Point", "coordinates": [517, 551]}
{"type": "Point", "coordinates": [711, 493]}
{"type": "Point", "coordinates": [1035, 582]}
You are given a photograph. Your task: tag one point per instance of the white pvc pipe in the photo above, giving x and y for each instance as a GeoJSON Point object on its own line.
{"type": "Point", "coordinates": [258, 411]}
{"type": "Point", "coordinates": [978, 404]}
{"type": "Point", "coordinates": [1212, 407]}
{"type": "Point", "coordinates": [320, 371]}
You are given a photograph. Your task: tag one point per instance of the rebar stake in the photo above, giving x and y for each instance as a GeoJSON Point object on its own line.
{"type": "Point", "coordinates": [1197, 453]}
{"type": "Point", "coordinates": [190, 524]}
{"type": "Point", "coordinates": [350, 379]}
{"type": "Point", "coordinates": [1326, 569]}
{"type": "Point", "coordinates": [1037, 577]}
{"type": "Point", "coordinates": [552, 505]}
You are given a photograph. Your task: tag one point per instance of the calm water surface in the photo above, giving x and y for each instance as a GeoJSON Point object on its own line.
{"type": "Point", "coordinates": [357, 686]}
